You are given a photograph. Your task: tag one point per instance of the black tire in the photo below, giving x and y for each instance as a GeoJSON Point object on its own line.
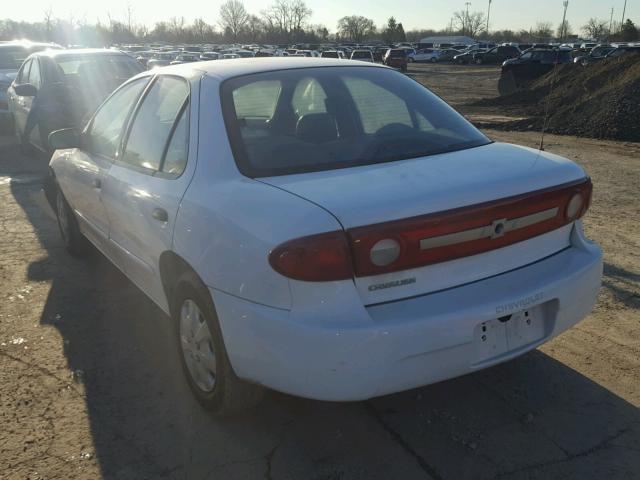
{"type": "Point", "coordinates": [410, 60]}
{"type": "Point", "coordinates": [74, 241]}
{"type": "Point", "coordinates": [434, 60]}
{"type": "Point", "coordinates": [479, 61]}
{"type": "Point", "coordinates": [229, 395]}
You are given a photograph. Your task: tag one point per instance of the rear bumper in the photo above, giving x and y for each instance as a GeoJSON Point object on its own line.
{"type": "Point", "coordinates": [404, 344]}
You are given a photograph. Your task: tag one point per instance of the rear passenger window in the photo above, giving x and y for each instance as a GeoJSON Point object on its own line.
{"type": "Point", "coordinates": [153, 123]}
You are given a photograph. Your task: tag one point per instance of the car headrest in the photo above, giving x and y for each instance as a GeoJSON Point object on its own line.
{"type": "Point", "coordinates": [317, 128]}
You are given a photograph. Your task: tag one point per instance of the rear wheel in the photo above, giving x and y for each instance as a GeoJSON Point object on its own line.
{"type": "Point", "coordinates": [203, 355]}
{"type": "Point", "coordinates": [74, 241]}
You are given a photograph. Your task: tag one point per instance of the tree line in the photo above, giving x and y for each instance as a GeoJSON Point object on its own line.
{"type": "Point", "coordinates": [285, 22]}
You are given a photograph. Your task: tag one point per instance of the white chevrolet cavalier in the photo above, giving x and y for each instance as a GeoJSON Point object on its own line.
{"type": "Point", "coordinates": [325, 228]}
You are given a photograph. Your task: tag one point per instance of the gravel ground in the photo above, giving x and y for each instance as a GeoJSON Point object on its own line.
{"type": "Point", "coordinates": [90, 386]}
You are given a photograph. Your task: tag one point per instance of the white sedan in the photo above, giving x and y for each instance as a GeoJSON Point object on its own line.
{"type": "Point", "coordinates": [326, 228]}
{"type": "Point", "coordinates": [424, 55]}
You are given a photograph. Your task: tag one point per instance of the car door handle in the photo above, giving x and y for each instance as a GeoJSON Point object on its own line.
{"type": "Point", "coordinates": [97, 183]}
{"type": "Point", "coordinates": [160, 214]}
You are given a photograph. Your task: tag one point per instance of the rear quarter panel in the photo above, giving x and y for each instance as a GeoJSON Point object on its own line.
{"type": "Point", "coordinates": [227, 223]}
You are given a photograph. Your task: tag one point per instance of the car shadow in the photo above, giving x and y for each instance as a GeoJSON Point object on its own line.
{"type": "Point", "coordinates": [531, 418]}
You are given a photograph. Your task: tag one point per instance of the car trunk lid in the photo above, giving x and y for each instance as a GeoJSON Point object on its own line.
{"type": "Point", "coordinates": [424, 202]}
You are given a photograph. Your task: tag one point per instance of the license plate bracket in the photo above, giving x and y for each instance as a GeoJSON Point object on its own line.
{"type": "Point", "coordinates": [499, 336]}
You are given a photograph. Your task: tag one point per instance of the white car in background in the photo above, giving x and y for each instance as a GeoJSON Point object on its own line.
{"type": "Point", "coordinates": [424, 55]}
{"type": "Point", "coordinates": [326, 228]}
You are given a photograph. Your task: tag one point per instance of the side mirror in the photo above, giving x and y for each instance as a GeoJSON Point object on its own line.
{"type": "Point", "coordinates": [25, 90]}
{"type": "Point", "coordinates": [65, 138]}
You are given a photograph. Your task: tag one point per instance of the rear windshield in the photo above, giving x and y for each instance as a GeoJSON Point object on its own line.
{"type": "Point", "coordinates": [361, 55]}
{"type": "Point", "coordinates": [89, 66]}
{"type": "Point", "coordinates": [397, 53]}
{"type": "Point", "coordinates": [311, 119]}
{"type": "Point", "coordinates": [330, 54]}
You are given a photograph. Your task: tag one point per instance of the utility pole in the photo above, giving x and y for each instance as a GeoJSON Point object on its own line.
{"type": "Point", "coordinates": [467, 21]}
{"type": "Point", "coordinates": [488, 15]}
{"type": "Point", "coordinates": [564, 20]}
{"type": "Point", "coordinates": [624, 11]}
{"type": "Point", "coordinates": [611, 23]}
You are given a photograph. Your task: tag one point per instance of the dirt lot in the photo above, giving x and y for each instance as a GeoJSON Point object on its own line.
{"type": "Point", "coordinates": [90, 389]}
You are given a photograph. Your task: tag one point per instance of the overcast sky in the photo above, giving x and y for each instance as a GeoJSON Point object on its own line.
{"type": "Point", "coordinates": [413, 14]}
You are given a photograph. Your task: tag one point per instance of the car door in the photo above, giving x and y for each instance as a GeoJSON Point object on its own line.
{"type": "Point", "coordinates": [83, 174]}
{"type": "Point", "coordinates": [145, 185]}
{"type": "Point", "coordinates": [17, 102]}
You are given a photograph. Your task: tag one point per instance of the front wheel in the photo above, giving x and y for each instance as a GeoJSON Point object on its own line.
{"type": "Point", "coordinates": [434, 59]}
{"type": "Point", "coordinates": [479, 61]}
{"type": "Point", "coordinates": [410, 60]}
{"type": "Point", "coordinates": [203, 355]}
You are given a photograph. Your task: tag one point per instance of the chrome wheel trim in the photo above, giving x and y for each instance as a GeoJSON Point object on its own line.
{"type": "Point", "coordinates": [63, 217]}
{"type": "Point", "coordinates": [197, 347]}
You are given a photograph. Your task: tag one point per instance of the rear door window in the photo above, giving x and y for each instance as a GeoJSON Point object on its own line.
{"type": "Point", "coordinates": [153, 123]}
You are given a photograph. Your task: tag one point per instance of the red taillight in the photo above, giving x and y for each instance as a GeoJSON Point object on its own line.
{"type": "Point", "coordinates": [316, 258]}
{"type": "Point", "coordinates": [467, 231]}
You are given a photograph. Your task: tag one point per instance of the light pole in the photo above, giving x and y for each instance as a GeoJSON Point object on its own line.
{"type": "Point", "coordinates": [611, 23]}
{"type": "Point", "coordinates": [564, 19]}
{"type": "Point", "coordinates": [488, 15]}
{"type": "Point", "coordinates": [624, 11]}
{"type": "Point", "coordinates": [466, 20]}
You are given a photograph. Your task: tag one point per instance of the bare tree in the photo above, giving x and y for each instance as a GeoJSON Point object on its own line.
{"type": "Point", "coordinates": [356, 27]}
{"type": "Point", "coordinates": [48, 22]}
{"type": "Point", "coordinates": [564, 30]}
{"type": "Point", "coordinates": [469, 23]}
{"type": "Point", "coordinates": [543, 31]}
{"type": "Point", "coordinates": [201, 29]}
{"type": "Point", "coordinates": [595, 28]}
{"type": "Point", "coordinates": [233, 17]}
{"type": "Point", "coordinates": [286, 18]}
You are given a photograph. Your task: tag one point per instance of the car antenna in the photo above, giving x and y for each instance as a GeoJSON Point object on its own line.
{"type": "Point", "coordinates": [548, 100]}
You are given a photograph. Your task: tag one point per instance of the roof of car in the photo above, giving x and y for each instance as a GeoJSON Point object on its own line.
{"type": "Point", "coordinates": [80, 51]}
{"type": "Point", "coordinates": [224, 69]}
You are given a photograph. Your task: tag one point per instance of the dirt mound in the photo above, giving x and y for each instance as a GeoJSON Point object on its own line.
{"type": "Point", "coordinates": [599, 101]}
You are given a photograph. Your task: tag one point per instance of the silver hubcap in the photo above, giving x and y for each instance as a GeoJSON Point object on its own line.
{"type": "Point", "coordinates": [63, 218]}
{"type": "Point", "coordinates": [197, 346]}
